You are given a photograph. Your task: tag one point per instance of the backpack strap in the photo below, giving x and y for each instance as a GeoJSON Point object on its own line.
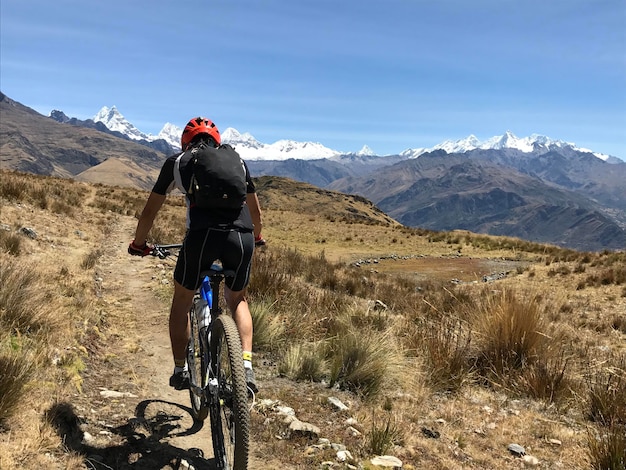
{"type": "Point", "coordinates": [178, 179]}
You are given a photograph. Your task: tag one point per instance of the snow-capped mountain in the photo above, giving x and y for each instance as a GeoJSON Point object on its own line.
{"type": "Point", "coordinates": [366, 152]}
{"type": "Point", "coordinates": [251, 149]}
{"type": "Point", "coordinates": [115, 121]}
{"type": "Point", "coordinates": [507, 141]}
{"type": "Point", "coordinates": [248, 147]}
{"type": "Point", "coordinates": [170, 134]}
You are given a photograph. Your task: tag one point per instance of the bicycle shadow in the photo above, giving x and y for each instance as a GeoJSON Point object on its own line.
{"type": "Point", "coordinates": [144, 438]}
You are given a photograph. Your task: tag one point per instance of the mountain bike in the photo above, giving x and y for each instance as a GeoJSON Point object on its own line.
{"type": "Point", "coordinates": [217, 378]}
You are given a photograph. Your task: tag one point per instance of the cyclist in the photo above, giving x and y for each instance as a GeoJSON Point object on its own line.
{"type": "Point", "coordinates": [211, 234]}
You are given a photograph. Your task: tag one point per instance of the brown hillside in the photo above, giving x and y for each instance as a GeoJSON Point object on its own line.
{"type": "Point", "coordinates": [445, 347]}
{"type": "Point", "coordinates": [37, 144]}
{"type": "Point", "coordinates": [120, 172]}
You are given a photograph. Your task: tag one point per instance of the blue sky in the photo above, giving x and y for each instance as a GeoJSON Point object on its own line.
{"type": "Point", "coordinates": [393, 75]}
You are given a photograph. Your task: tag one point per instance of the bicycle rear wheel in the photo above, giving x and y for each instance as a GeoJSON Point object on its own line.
{"type": "Point", "coordinates": [197, 361]}
{"type": "Point", "coordinates": [230, 417]}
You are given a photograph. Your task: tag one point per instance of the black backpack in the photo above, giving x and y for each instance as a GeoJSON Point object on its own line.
{"type": "Point", "coordinates": [218, 178]}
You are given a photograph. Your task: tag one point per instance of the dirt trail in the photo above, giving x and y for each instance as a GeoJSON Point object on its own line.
{"type": "Point", "coordinates": [152, 428]}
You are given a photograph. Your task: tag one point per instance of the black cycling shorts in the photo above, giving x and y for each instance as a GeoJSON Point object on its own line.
{"type": "Point", "coordinates": [202, 247]}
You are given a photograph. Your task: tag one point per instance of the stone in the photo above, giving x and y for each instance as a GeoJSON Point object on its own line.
{"type": "Point", "coordinates": [516, 450]}
{"type": "Point", "coordinates": [530, 461]}
{"type": "Point", "coordinates": [285, 410]}
{"type": "Point", "coordinates": [337, 403]}
{"type": "Point", "coordinates": [387, 461]}
{"type": "Point", "coordinates": [344, 455]}
{"type": "Point", "coordinates": [302, 428]}
{"type": "Point", "coordinates": [113, 394]}
{"type": "Point", "coordinates": [29, 232]}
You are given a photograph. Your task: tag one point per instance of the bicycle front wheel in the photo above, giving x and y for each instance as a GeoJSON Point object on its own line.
{"type": "Point", "coordinates": [230, 416]}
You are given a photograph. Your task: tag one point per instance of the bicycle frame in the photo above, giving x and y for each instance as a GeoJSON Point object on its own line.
{"type": "Point", "coordinates": [209, 292]}
{"type": "Point", "coordinates": [213, 391]}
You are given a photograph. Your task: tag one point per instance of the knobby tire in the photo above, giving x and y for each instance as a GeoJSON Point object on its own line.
{"type": "Point", "coordinates": [197, 361]}
{"type": "Point", "coordinates": [230, 417]}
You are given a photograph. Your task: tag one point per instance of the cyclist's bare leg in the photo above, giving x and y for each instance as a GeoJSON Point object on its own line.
{"type": "Point", "coordinates": [179, 320]}
{"type": "Point", "coordinates": [238, 306]}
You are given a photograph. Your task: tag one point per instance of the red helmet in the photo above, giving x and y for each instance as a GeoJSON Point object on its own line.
{"type": "Point", "coordinates": [196, 126]}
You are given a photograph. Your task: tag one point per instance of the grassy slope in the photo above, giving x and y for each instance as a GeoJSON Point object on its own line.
{"type": "Point", "coordinates": [581, 304]}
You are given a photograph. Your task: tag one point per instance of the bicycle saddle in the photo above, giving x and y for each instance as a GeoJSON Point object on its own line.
{"type": "Point", "coordinates": [217, 270]}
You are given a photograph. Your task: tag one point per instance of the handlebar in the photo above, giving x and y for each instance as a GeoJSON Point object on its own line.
{"type": "Point", "coordinates": [163, 251]}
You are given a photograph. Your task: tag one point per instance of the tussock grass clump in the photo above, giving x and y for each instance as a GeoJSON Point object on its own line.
{"type": "Point", "coordinates": [304, 362]}
{"type": "Point", "coordinates": [270, 278]}
{"type": "Point", "coordinates": [122, 201]}
{"type": "Point", "coordinates": [166, 232]}
{"type": "Point", "coordinates": [10, 243]}
{"type": "Point", "coordinates": [515, 352]}
{"type": "Point", "coordinates": [509, 332]}
{"type": "Point", "coordinates": [13, 188]}
{"type": "Point", "coordinates": [16, 369]}
{"type": "Point", "coordinates": [437, 328]}
{"type": "Point", "coordinates": [383, 435]}
{"type": "Point", "coordinates": [546, 378]}
{"type": "Point", "coordinates": [91, 258]}
{"type": "Point", "coordinates": [446, 345]}
{"type": "Point", "coordinates": [62, 207]}
{"type": "Point", "coordinates": [362, 362]}
{"type": "Point", "coordinates": [25, 319]}
{"type": "Point", "coordinates": [607, 449]}
{"type": "Point", "coordinates": [268, 327]}
{"type": "Point", "coordinates": [24, 298]}
{"type": "Point", "coordinates": [607, 392]}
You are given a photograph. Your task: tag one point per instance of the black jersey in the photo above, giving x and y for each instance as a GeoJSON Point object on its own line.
{"type": "Point", "coordinates": [202, 218]}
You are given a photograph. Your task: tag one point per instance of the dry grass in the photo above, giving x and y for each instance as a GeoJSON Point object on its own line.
{"type": "Point", "coordinates": [384, 434]}
{"type": "Point", "coordinates": [510, 333]}
{"type": "Point", "coordinates": [24, 300]}
{"type": "Point", "coordinates": [304, 362]}
{"type": "Point", "coordinates": [537, 355]}
{"type": "Point", "coordinates": [446, 346]}
{"type": "Point", "coordinates": [363, 363]}
{"type": "Point", "coordinates": [607, 392]}
{"type": "Point", "coordinates": [16, 368]}
{"type": "Point", "coordinates": [607, 449]}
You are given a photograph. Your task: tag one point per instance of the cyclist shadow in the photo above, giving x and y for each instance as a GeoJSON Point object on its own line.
{"type": "Point", "coordinates": [141, 442]}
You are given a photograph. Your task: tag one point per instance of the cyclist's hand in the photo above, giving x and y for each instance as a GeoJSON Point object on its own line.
{"type": "Point", "coordinates": [137, 250]}
{"type": "Point", "coordinates": [259, 241]}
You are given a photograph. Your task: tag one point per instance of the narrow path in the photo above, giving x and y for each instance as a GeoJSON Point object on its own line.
{"type": "Point", "coordinates": [166, 431]}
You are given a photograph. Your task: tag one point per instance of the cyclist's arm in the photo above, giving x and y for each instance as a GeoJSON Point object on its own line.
{"type": "Point", "coordinates": [255, 212]}
{"type": "Point", "coordinates": [163, 185]}
{"type": "Point", "coordinates": [252, 201]}
{"type": "Point", "coordinates": [146, 219]}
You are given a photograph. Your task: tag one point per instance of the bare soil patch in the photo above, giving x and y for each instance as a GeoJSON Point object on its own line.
{"type": "Point", "coordinates": [449, 268]}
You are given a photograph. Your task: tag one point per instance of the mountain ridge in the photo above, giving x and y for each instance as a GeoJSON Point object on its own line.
{"type": "Point", "coordinates": [479, 192]}
{"type": "Point", "coordinates": [554, 194]}
{"type": "Point", "coordinates": [252, 149]}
